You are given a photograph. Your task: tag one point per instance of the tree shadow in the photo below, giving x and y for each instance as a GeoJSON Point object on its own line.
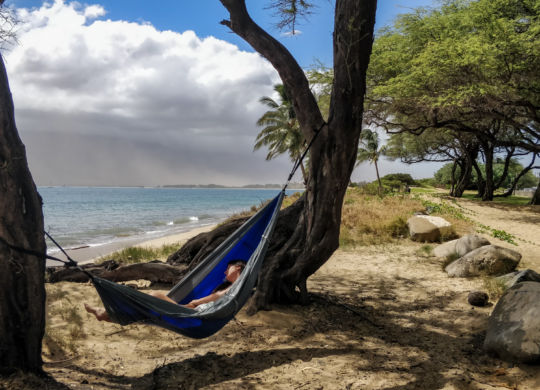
{"type": "Point", "coordinates": [214, 368]}
{"type": "Point", "coordinates": [436, 348]}
{"type": "Point", "coordinates": [23, 381]}
{"type": "Point", "coordinates": [426, 342]}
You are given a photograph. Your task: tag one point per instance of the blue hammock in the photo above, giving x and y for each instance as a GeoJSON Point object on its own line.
{"type": "Point", "coordinates": [249, 243]}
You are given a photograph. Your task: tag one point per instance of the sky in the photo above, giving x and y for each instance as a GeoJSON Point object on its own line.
{"type": "Point", "coordinates": [122, 93]}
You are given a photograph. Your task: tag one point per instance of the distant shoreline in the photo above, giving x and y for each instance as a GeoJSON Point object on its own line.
{"type": "Point", "coordinates": [291, 186]}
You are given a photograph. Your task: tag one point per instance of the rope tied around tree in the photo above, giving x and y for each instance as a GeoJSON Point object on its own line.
{"type": "Point", "coordinates": [69, 262]}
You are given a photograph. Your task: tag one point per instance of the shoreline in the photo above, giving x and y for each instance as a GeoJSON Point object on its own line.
{"type": "Point", "coordinates": [89, 254]}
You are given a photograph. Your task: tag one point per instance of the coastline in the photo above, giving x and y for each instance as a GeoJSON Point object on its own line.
{"type": "Point", "coordinates": [89, 254]}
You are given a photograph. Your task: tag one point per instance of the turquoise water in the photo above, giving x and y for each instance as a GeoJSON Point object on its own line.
{"type": "Point", "coordinates": [94, 216]}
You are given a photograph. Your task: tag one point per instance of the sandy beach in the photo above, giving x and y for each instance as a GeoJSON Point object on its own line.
{"type": "Point", "coordinates": [89, 254]}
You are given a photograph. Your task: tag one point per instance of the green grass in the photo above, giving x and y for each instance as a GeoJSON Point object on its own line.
{"type": "Point", "coordinates": [500, 234]}
{"type": "Point", "coordinates": [134, 254]}
{"type": "Point", "coordinates": [425, 250]}
{"type": "Point", "coordinates": [511, 200]}
{"type": "Point", "coordinates": [444, 209]}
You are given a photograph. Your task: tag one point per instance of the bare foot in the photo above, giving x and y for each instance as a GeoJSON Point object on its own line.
{"type": "Point", "coordinates": [100, 314]}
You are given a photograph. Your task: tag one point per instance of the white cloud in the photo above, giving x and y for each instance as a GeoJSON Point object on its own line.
{"type": "Point", "coordinates": [94, 11]}
{"type": "Point", "coordinates": [75, 74]}
{"type": "Point", "coordinates": [291, 33]}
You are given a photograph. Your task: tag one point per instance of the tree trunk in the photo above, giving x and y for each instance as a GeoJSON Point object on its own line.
{"type": "Point", "coordinates": [489, 188]}
{"type": "Point", "coordinates": [507, 161]}
{"type": "Point", "coordinates": [304, 173]}
{"type": "Point", "coordinates": [333, 154]}
{"type": "Point", "coordinates": [464, 179]}
{"type": "Point", "coordinates": [514, 184]}
{"type": "Point", "coordinates": [379, 178]}
{"type": "Point", "coordinates": [453, 178]}
{"type": "Point", "coordinates": [22, 292]}
{"type": "Point", "coordinates": [536, 197]}
{"type": "Point", "coordinates": [480, 182]}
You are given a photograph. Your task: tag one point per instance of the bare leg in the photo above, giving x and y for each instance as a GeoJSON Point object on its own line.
{"type": "Point", "coordinates": [101, 314]}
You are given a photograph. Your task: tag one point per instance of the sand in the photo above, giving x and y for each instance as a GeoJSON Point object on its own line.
{"type": "Point", "coordinates": [382, 317]}
{"type": "Point", "coordinates": [89, 254]}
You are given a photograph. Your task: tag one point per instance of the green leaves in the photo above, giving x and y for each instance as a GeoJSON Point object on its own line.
{"type": "Point", "coordinates": [369, 148]}
{"type": "Point", "coordinates": [281, 133]}
{"type": "Point", "coordinates": [465, 54]}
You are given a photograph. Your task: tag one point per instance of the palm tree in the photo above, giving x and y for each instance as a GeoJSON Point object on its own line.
{"type": "Point", "coordinates": [370, 150]}
{"type": "Point", "coordinates": [281, 133]}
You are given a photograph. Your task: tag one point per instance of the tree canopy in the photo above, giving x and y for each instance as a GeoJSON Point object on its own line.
{"type": "Point", "coordinates": [466, 68]}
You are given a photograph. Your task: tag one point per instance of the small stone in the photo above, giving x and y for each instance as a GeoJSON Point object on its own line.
{"type": "Point", "coordinates": [478, 298]}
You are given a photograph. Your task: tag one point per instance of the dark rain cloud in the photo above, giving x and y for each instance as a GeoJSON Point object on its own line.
{"type": "Point", "coordinates": [111, 102]}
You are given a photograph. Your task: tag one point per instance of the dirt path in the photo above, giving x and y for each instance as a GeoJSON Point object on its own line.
{"type": "Point", "coordinates": [522, 222]}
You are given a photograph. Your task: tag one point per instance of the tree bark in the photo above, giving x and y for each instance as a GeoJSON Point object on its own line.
{"type": "Point", "coordinates": [464, 179]}
{"type": "Point", "coordinates": [489, 188]}
{"type": "Point", "coordinates": [22, 292]}
{"type": "Point", "coordinates": [453, 178]}
{"type": "Point", "coordinates": [333, 153]}
{"type": "Point", "coordinates": [536, 197]}
{"type": "Point", "coordinates": [480, 182]}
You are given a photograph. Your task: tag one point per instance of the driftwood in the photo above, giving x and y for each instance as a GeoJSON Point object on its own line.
{"type": "Point", "coordinates": [155, 271]}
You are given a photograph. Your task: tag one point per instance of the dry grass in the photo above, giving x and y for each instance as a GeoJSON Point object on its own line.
{"type": "Point", "coordinates": [494, 287]}
{"type": "Point", "coordinates": [135, 254]}
{"type": "Point", "coordinates": [368, 220]}
{"type": "Point", "coordinates": [64, 325]}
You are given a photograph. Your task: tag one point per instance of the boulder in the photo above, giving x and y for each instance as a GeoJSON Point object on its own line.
{"type": "Point", "coordinates": [527, 275]}
{"type": "Point", "coordinates": [446, 250]}
{"type": "Point", "coordinates": [461, 246]}
{"type": "Point", "coordinates": [478, 298]}
{"type": "Point", "coordinates": [486, 260]}
{"type": "Point", "coordinates": [427, 228]}
{"type": "Point", "coordinates": [513, 331]}
{"type": "Point", "coordinates": [469, 243]}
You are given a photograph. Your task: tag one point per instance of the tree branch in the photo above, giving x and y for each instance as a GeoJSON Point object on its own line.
{"type": "Point", "coordinates": [292, 75]}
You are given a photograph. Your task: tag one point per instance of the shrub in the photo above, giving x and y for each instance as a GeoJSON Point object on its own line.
{"type": "Point", "coordinates": [370, 219]}
{"type": "Point", "coordinates": [403, 178]}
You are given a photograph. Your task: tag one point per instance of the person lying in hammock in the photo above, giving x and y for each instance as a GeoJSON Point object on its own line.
{"type": "Point", "coordinates": [233, 271]}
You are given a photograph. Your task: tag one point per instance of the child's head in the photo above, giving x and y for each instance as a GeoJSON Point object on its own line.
{"type": "Point", "coordinates": [234, 269]}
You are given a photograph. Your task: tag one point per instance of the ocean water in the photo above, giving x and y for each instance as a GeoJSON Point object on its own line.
{"type": "Point", "coordinates": [95, 216]}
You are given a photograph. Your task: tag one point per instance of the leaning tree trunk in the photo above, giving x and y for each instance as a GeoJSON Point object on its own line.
{"type": "Point", "coordinates": [464, 179]}
{"type": "Point", "coordinates": [22, 292]}
{"type": "Point", "coordinates": [480, 182]}
{"type": "Point", "coordinates": [536, 197]}
{"type": "Point", "coordinates": [332, 155]}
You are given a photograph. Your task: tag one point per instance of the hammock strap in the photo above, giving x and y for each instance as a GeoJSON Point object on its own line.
{"type": "Point", "coordinates": [31, 252]}
{"type": "Point", "coordinates": [299, 160]}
